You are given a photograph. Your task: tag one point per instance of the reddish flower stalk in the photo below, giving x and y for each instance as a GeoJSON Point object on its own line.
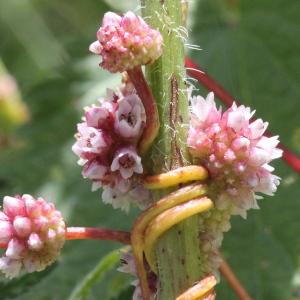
{"type": "Point", "coordinates": [233, 281]}
{"type": "Point", "coordinates": [85, 233]}
{"type": "Point", "coordinates": [292, 159]}
{"type": "Point", "coordinates": [152, 122]}
{"type": "Point", "coordinates": [195, 71]}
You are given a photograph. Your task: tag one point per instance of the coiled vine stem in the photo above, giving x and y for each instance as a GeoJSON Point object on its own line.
{"type": "Point", "coordinates": [165, 213]}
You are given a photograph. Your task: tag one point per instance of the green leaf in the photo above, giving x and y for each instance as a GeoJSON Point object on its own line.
{"type": "Point", "coordinates": [107, 263]}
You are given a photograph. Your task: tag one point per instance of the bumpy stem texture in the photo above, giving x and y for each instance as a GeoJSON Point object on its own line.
{"type": "Point", "coordinates": [178, 252]}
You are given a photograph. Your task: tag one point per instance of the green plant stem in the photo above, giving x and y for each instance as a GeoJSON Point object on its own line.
{"type": "Point", "coordinates": [178, 254]}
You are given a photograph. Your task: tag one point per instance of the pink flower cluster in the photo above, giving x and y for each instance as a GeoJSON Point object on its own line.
{"type": "Point", "coordinates": [106, 147]}
{"type": "Point", "coordinates": [234, 150]}
{"type": "Point", "coordinates": [34, 233]}
{"type": "Point", "coordinates": [126, 42]}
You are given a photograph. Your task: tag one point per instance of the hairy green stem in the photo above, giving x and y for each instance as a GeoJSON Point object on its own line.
{"type": "Point", "coordinates": [178, 254]}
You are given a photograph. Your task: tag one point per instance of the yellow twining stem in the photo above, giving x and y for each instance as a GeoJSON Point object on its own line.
{"type": "Point", "coordinates": [175, 177]}
{"type": "Point", "coordinates": [201, 290]}
{"type": "Point", "coordinates": [164, 214]}
{"type": "Point", "coordinates": [169, 218]}
{"type": "Point", "coordinates": [137, 234]}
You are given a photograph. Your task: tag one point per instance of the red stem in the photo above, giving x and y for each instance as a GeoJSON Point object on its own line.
{"type": "Point", "coordinates": [84, 233]}
{"type": "Point", "coordinates": [233, 281]}
{"type": "Point", "coordinates": [194, 71]}
{"type": "Point", "coordinates": [151, 129]}
{"type": "Point", "coordinates": [91, 233]}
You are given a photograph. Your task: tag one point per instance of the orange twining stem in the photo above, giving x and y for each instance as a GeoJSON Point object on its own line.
{"type": "Point", "coordinates": [168, 219]}
{"type": "Point", "coordinates": [201, 290]}
{"type": "Point", "coordinates": [165, 213]}
{"type": "Point", "coordinates": [180, 175]}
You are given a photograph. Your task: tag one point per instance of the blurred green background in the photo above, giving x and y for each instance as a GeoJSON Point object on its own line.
{"type": "Point", "coordinates": [252, 47]}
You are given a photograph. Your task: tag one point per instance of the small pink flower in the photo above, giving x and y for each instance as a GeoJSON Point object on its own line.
{"type": "Point", "coordinates": [130, 117]}
{"type": "Point", "coordinates": [34, 233]}
{"type": "Point", "coordinates": [90, 142]}
{"type": "Point", "coordinates": [117, 198]}
{"type": "Point", "coordinates": [127, 162]}
{"type": "Point", "coordinates": [123, 192]}
{"type": "Point", "coordinates": [98, 117]}
{"type": "Point", "coordinates": [234, 151]}
{"type": "Point", "coordinates": [126, 42]}
{"type": "Point", "coordinates": [204, 111]}
{"type": "Point", "coordinates": [94, 170]}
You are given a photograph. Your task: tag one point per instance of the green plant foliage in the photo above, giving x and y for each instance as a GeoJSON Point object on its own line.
{"type": "Point", "coordinates": [107, 263]}
{"type": "Point", "coordinates": [250, 46]}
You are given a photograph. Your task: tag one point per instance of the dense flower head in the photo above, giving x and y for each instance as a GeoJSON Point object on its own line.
{"type": "Point", "coordinates": [234, 150]}
{"type": "Point", "coordinates": [125, 42]}
{"type": "Point", "coordinates": [106, 147]}
{"type": "Point", "coordinates": [34, 232]}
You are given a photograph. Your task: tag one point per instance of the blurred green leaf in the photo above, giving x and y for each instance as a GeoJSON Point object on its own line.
{"type": "Point", "coordinates": [14, 13]}
{"type": "Point", "coordinates": [107, 263]}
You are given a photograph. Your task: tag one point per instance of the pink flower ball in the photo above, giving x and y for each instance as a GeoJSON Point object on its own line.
{"type": "Point", "coordinates": [126, 42]}
{"type": "Point", "coordinates": [34, 232]}
{"type": "Point", "coordinates": [234, 150]}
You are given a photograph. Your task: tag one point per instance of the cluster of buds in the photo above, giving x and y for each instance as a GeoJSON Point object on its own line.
{"type": "Point", "coordinates": [107, 139]}
{"type": "Point", "coordinates": [106, 146]}
{"type": "Point", "coordinates": [126, 42]}
{"type": "Point", "coordinates": [237, 155]}
{"type": "Point", "coordinates": [32, 231]}
{"type": "Point", "coordinates": [234, 150]}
